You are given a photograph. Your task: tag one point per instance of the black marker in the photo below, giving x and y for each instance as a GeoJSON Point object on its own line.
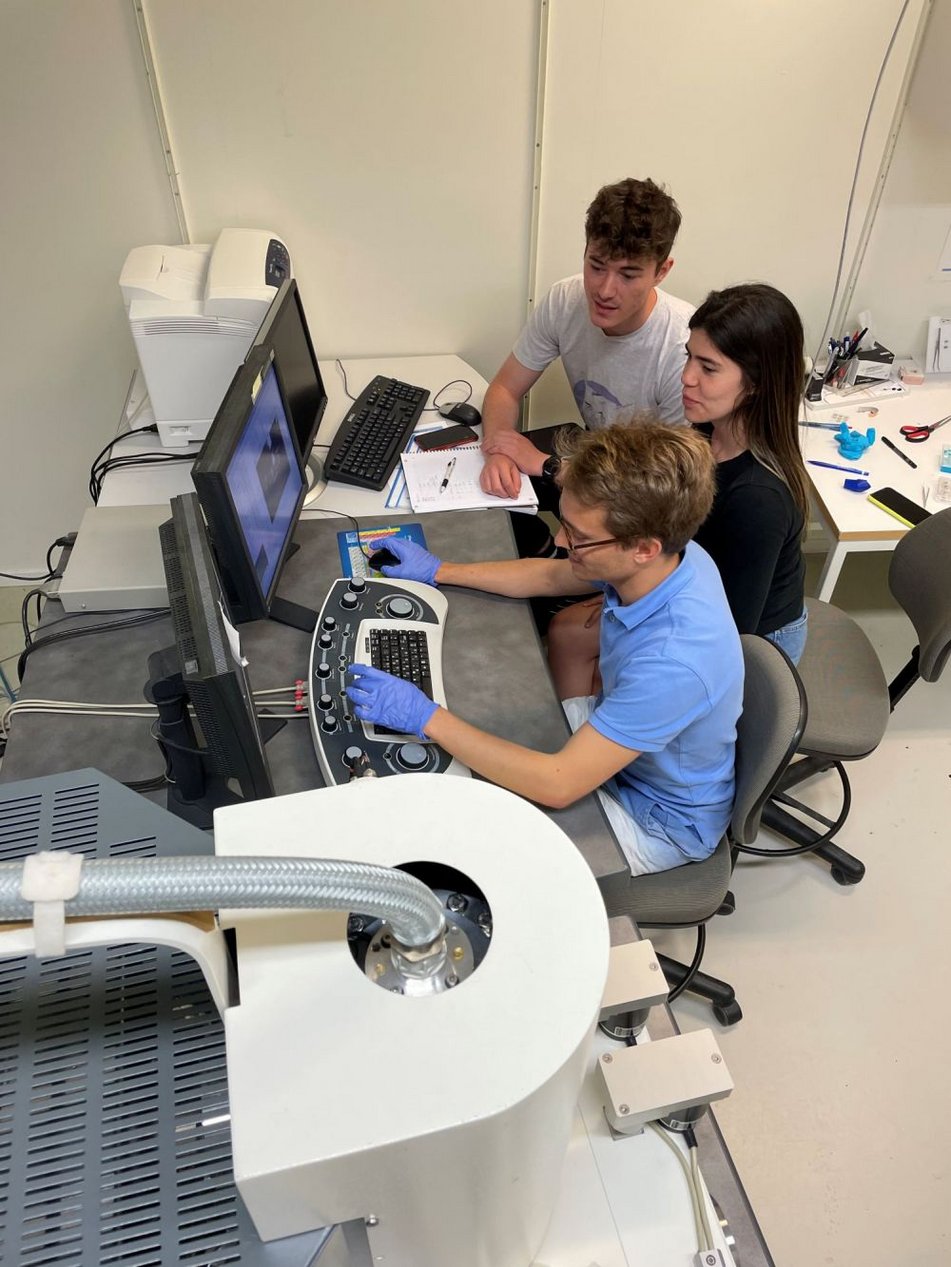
{"type": "Point", "coordinates": [904, 456]}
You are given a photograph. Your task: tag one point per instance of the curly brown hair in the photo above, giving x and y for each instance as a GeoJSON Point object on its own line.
{"type": "Point", "coordinates": [651, 479]}
{"type": "Point", "coordinates": [633, 219]}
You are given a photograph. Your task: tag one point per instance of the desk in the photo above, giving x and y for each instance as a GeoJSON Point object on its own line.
{"type": "Point", "coordinates": [522, 708]}
{"type": "Point", "coordinates": [156, 484]}
{"type": "Point", "coordinates": [850, 519]}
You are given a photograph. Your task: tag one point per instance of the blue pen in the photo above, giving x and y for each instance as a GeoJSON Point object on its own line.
{"type": "Point", "coordinates": [834, 466]}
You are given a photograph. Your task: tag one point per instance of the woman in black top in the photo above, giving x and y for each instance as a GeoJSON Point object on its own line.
{"type": "Point", "coordinates": [743, 379]}
{"type": "Point", "coordinates": [742, 384]}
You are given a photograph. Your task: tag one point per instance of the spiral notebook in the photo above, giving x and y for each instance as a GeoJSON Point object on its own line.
{"type": "Point", "coordinates": [448, 479]}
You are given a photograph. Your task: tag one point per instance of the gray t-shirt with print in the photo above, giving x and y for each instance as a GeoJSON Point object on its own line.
{"type": "Point", "coordinates": [610, 375]}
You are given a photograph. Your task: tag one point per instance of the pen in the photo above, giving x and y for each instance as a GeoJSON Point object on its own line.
{"type": "Point", "coordinates": [821, 426]}
{"type": "Point", "coordinates": [904, 456]}
{"type": "Point", "coordinates": [834, 466]}
{"type": "Point", "coordinates": [445, 478]}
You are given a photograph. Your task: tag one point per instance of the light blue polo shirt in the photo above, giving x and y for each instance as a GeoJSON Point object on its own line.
{"type": "Point", "coordinates": [672, 673]}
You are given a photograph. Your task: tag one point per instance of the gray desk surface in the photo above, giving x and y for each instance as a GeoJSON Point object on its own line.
{"type": "Point", "coordinates": [495, 676]}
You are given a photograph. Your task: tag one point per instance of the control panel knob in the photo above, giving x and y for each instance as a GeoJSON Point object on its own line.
{"type": "Point", "coordinates": [412, 756]}
{"type": "Point", "coordinates": [353, 756]}
{"type": "Point", "coordinates": [328, 622]}
{"type": "Point", "coordinates": [328, 722]}
{"type": "Point", "coordinates": [323, 669]}
{"type": "Point", "coordinates": [349, 600]}
{"type": "Point", "coordinates": [399, 608]}
{"type": "Point", "coordinates": [325, 703]}
{"type": "Point", "coordinates": [325, 641]}
{"type": "Point", "coordinates": [358, 584]}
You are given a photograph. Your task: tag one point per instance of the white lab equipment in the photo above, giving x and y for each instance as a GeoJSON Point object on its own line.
{"type": "Point", "coordinates": [193, 312]}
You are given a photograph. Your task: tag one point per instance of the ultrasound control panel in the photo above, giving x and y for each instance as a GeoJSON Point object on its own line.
{"type": "Point", "coordinates": [397, 626]}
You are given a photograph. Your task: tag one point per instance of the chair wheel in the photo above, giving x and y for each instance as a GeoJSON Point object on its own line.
{"type": "Point", "coordinates": [727, 906]}
{"type": "Point", "coordinates": [847, 877]}
{"type": "Point", "coordinates": [728, 1014]}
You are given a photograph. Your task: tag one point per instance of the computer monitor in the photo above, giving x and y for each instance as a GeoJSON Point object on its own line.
{"type": "Point", "coordinates": [251, 487]}
{"type": "Point", "coordinates": [284, 332]}
{"type": "Point", "coordinates": [215, 752]}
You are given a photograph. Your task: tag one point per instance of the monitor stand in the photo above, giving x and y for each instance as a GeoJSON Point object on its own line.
{"type": "Point", "coordinates": [314, 474]}
{"type": "Point", "coordinates": [194, 792]}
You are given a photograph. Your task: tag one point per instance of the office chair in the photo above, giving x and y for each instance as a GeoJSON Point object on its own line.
{"type": "Point", "coordinates": [850, 700]}
{"type": "Point", "coordinates": [768, 734]}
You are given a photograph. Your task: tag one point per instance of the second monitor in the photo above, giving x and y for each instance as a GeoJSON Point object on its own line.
{"type": "Point", "coordinates": [250, 483]}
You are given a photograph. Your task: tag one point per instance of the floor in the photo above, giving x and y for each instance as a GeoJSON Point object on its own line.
{"type": "Point", "coordinates": [839, 1062]}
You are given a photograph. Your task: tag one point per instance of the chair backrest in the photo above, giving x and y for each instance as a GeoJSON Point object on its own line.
{"type": "Point", "coordinates": [768, 731]}
{"type": "Point", "coordinates": [919, 576]}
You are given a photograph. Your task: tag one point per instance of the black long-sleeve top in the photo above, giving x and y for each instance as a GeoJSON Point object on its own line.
{"type": "Point", "coordinates": [753, 534]}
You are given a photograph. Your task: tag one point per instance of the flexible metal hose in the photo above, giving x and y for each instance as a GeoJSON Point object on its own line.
{"type": "Point", "coordinates": [137, 886]}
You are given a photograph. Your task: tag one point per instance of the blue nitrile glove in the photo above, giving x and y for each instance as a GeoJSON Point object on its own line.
{"type": "Point", "coordinates": [389, 701]}
{"type": "Point", "coordinates": [415, 563]}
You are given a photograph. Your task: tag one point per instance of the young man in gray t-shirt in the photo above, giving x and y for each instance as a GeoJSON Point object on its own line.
{"type": "Point", "coordinates": [621, 340]}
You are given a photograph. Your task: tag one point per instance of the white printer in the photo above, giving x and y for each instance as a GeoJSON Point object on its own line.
{"type": "Point", "coordinates": [194, 311]}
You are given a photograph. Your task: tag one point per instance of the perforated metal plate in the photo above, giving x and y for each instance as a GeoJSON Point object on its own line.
{"type": "Point", "coordinates": [115, 1140]}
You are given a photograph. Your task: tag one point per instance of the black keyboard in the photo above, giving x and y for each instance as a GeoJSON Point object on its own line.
{"type": "Point", "coordinates": [374, 433]}
{"type": "Point", "coordinates": [404, 653]}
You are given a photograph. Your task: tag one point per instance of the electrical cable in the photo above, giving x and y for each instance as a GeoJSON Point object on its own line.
{"type": "Point", "coordinates": [434, 407]}
{"type": "Point", "coordinates": [143, 618]}
{"type": "Point", "coordinates": [427, 409]}
{"type": "Point", "coordinates": [695, 1202]}
{"type": "Point", "coordinates": [823, 341]}
{"type": "Point", "coordinates": [93, 487]}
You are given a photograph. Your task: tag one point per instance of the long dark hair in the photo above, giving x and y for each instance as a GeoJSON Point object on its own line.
{"type": "Point", "coordinates": [758, 328]}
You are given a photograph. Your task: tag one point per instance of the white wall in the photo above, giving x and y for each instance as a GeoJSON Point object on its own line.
{"type": "Point", "coordinates": [750, 113]}
{"type": "Point", "coordinates": [390, 144]}
{"type": "Point", "coordinates": [83, 181]}
{"type": "Point", "coordinates": [897, 276]}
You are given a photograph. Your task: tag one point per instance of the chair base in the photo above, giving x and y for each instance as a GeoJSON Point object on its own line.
{"type": "Point", "coordinates": [720, 994]}
{"type": "Point", "coordinates": [845, 868]}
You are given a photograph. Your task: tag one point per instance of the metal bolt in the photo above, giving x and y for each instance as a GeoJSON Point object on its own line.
{"type": "Point", "coordinates": [607, 1057]}
{"type": "Point", "coordinates": [622, 1109]}
{"type": "Point", "coordinates": [375, 947]}
{"type": "Point", "coordinates": [717, 1058]}
{"type": "Point", "coordinates": [458, 952]}
{"type": "Point", "coordinates": [396, 989]}
{"type": "Point", "coordinates": [356, 924]}
{"type": "Point", "coordinates": [385, 941]}
{"type": "Point", "coordinates": [379, 969]}
{"type": "Point", "coordinates": [456, 903]}
{"type": "Point", "coordinates": [654, 966]}
{"type": "Point", "coordinates": [371, 1220]}
{"type": "Point", "coordinates": [451, 980]}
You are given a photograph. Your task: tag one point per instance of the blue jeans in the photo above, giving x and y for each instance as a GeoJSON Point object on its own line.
{"type": "Point", "coordinates": [791, 638]}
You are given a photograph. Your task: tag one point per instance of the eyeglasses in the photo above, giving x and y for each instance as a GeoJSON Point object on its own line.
{"type": "Point", "coordinates": [585, 545]}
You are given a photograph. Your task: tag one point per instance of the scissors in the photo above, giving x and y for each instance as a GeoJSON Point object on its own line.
{"type": "Point", "coordinates": [917, 435]}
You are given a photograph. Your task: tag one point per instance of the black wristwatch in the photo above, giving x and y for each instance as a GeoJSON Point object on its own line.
{"type": "Point", "coordinates": [551, 467]}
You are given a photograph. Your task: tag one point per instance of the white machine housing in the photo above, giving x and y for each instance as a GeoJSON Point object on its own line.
{"type": "Point", "coordinates": [194, 311]}
{"type": "Point", "coordinates": [441, 1122]}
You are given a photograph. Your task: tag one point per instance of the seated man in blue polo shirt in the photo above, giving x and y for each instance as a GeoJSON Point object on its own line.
{"type": "Point", "coordinates": [658, 741]}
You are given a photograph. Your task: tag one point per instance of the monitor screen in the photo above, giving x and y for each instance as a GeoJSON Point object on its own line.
{"type": "Point", "coordinates": [218, 757]}
{"type": "Point", "coordinates": [251, 486]}
{"type": "Point", "coordinates": [284, 332]}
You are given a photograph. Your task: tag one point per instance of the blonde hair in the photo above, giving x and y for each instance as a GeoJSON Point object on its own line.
{"type": "Point", "coordinates": [651, 479]}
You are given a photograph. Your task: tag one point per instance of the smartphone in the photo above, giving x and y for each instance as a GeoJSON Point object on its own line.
{"type": "Point", "coordinates": [447, 438]}
{"type": "Point", "coordinates": [899, 506]}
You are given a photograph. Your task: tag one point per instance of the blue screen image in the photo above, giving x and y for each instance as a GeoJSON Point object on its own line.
{"type": "Point", "coordinates": [264, 479]}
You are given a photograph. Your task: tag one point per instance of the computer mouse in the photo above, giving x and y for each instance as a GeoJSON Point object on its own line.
{"type": "Point", "coordinates": [468, 415]}
{"type": "Point", "coordinates": [380, 559]}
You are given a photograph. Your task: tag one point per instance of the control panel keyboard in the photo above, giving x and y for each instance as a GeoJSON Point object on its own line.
{"type": "Point", "coordinates": [396, 626]}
